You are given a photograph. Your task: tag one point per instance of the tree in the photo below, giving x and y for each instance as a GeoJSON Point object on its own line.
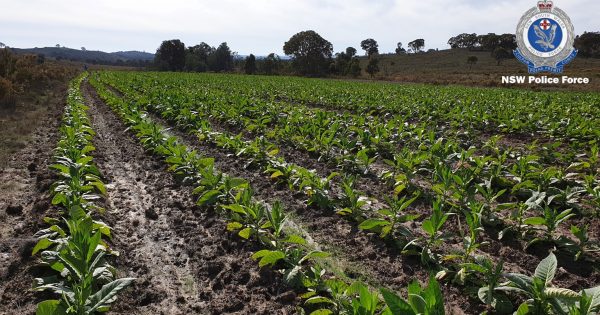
{"type": "Point", "coordinates": [370, 46]}
{"type": "Point", "coordinates": [221, 59]}
{"type": "Point", "coordinates": [471, 60]}
{"type": "Point", "coordinates": [271, 64]}
{"type": "Point", "coordinates": [373, 66]}
{"type": "Point", "coordinates": [351, 52]}
{"type": "Point", "coordinates": [489, 42]}
{"type": "Point", "coordinates": [2, 45]}
{"type": "Point", "coordinates": [344, 62]}
{"type": "Point", "coordinates": [196, 57]}
{"type": "Point", "coordinates": [463, 41]}
{"type": "Point", "coordinates": [57, 45]}
{"type": "Point", "coordinates": [250, 64]}
{"type": "Point", "coordinates": [170, 56]}
{"type": "Point", "coordinates": [417, 45]}
{"type": "Point", "coordinates": [399, 49]}
{"type": "Point", "coordinates": [354, 69]}
{"type": "Point", "coordinates": [311, 53]}
{"type": "Point", "coordinates": [501, 54]}
{"type": "Point", "coordinates": [83, 49]}
{"type": "Point", "coordinates": [508, 41]}
{"type": "Point", "coordinates": [588, 44]}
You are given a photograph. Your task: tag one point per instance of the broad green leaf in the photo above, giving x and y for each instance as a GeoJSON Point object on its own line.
{"type": "Point", "coordinates": [546, 269]}
{"type": "Point", "coordinates": [561, 293]}
{"type": "Point", "coordinates": [396, 304]}
{"type": "Point", "coordinates": [295, 239]}
{"type": "Point", "coordinates": [245, 233]}
{"type": "Point", "coordinates": [41, 245]}
{"type": "Point", "coordinates": [208, 198]}
{"type": "Point", "coordinates": [523, 310]}
{"type": "Point", "coordinates": [276, 174]}
{"type": "Point", "coordinates": [372, 223]}
{"type": "Point", "coordinates": [108, 294]}
{"type": "Point", "coordinates": [232, 226]}
{"type": "Point", "coordinates": [51, 307]}
{"type": "Point", "coordinates": [268, 257]}
{"type": "Point", "coordinates": [535, 221]}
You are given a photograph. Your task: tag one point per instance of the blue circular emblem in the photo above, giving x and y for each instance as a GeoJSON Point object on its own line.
{"type": "Point", "coordinates": [545, 35]}
{"type": "Point", "coordinates": [545, 38]}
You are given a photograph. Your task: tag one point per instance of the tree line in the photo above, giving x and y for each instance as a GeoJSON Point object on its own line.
{"type": "Point", "coordinates": [313, 55]}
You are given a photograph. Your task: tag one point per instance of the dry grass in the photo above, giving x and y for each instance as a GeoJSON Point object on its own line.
{"type": "Point", "coordinates": [29, 91]}
{"type": "Point", "coordinates": [450, 67]}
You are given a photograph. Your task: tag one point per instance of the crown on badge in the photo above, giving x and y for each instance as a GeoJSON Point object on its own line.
{"type": "Point", "coordinates": [545, 5]}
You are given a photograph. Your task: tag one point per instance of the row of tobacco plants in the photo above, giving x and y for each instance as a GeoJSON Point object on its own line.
{"type": "Point", "coordinates": [74, 246]}
{"type": "Point", "coordinates": [284, 250]}
{"type": "Point", "coordinates": [527, 192]}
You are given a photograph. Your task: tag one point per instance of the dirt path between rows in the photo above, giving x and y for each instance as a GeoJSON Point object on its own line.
{"type": "Point", "coordinates": [24, 201]}
{"type": "Point", "coordinates": [184, 260]}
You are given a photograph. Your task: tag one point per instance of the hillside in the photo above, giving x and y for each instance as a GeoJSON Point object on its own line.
{"type": "Point", "coordinates": [450, 67]}
{"type": "Point", "coordinates": [90, 56]}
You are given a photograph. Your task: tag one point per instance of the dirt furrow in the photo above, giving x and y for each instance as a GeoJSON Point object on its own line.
{"type": "Point", "coordinates": [24, 201]}
{"type": "Point", "coordinates": [184, 260]}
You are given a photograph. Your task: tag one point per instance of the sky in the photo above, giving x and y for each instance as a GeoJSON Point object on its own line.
{"type": "Point", "coordinates": [262, 26]}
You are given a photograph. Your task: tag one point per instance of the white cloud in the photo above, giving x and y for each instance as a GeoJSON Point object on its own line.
{"type": "Point", "coordinates": [262, 26]}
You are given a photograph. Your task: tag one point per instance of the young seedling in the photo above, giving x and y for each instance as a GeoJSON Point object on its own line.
{"type": "Point", "coordinates": [389, 224]}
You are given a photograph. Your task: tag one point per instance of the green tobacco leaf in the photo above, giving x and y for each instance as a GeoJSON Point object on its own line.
{"type": "Point", "coordinates": [245, 233]}
{"type": "Point", "coordinates": [546, 269]}
{"type": "Point", "coordinates": [41, 245]}
{"type": "Point", "coordinates": [51, 307]}
{"type": "Point", "coordinates": [208, 198]}
{"type": "Point", "coordinates": [523, 310]}
{"type": "Point", "coordinates": [108, 294]}
{"type": "Point", "coordinates": [561, 293]}
{"type": "Point", "coordinates": [373, 223]}
{"type": "Point", "coordinates": [233, 226]}
{"type": "Point", "coordinates": [295, 239]}
{"type": "Point", "coordinates": [396, 304]}
{"type": "Point", "coordinates": [268, 257]}
{"type": "Point", "coordinates": [276, 174]}
{"type": "Point", "coordinates": [535, 221]}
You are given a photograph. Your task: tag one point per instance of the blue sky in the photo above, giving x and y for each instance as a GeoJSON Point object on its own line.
{"type": "Point", "coordinates": [262, 26]}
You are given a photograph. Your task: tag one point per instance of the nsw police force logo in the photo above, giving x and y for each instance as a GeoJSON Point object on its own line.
{"type": "Point", "coordinates": [545, 38]}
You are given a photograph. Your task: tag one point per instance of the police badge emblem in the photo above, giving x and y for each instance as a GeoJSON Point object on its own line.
{"type": "Point", "coordinates": [545, 37]}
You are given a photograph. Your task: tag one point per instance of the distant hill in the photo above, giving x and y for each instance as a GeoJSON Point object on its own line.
{"type": "Point", "coordinates": [89, 56]}
{"type": "Point", "coordinates": [451, 67]}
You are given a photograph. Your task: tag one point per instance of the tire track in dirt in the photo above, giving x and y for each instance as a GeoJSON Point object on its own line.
{"type": "Point", "coordinates": [24, 201]}
{"type": "Point", "coordinates": [185, 260]}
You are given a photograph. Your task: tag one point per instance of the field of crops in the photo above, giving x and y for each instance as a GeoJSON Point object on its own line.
{"type": "Point", "coordinates": [209, 194]}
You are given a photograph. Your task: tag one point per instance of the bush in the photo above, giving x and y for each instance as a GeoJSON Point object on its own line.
{"type": "Point", "coordinates": [7, 94]}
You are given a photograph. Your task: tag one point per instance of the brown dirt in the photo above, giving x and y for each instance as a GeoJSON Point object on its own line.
{"type": "Point", "coordinates": [183, 258]}
{"type": "Point", "coordinates": [24, 201]}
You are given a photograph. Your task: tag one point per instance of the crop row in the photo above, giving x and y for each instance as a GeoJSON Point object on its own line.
{"type": "Point", "coordinates": [510, 111]}
{"type": "Point", "coordinates": [265, 224]}
{"type": "Point", "coordinates": [74, 246]}
{"type": "Point", "coordinates": [490, 171]}
{"type": "Point", "coordinates": [453, 196]}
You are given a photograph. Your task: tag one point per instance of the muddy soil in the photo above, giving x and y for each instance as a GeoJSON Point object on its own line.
{"type": "Point", "coordinates": [24, 201]}
{"type": "Point", "coordinates": [183, 258]}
